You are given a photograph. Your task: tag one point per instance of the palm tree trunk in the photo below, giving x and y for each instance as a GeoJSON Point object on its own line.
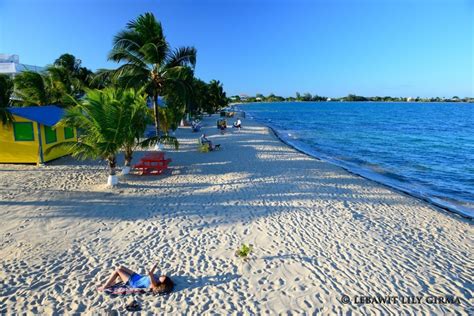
{"type": "Point", "coordinates": [128, 156]}
{"type": "Point", "coordinates": [128, 152]}
{"type": "Point", "coordinates": [157, 115]}
{"type": "Point", "coordinates": [112, 180]}
{"type": "Point", "coordinates": [157, 121]}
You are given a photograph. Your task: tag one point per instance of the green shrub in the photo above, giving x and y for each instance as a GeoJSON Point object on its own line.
{"type": "Point", "coordinates": [244, 251]}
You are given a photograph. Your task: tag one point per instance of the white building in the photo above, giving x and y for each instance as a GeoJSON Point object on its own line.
{"type": "Point", "coordinates": [10, 65]}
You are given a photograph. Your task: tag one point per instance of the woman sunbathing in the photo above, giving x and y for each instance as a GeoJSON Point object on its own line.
{"type": "Point", "coordinates": [160, 285]}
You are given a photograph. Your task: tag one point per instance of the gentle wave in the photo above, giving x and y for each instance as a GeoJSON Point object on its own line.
{"type": "Point", "coordinates": [372, 170]}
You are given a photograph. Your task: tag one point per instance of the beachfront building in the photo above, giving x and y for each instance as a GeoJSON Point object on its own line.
{"type": "Point", "coordinates": [243, 97]}
{"type": "Point", "coordinates": [32, 133]}
{"type": "Point", "coordinates": [10, 65]}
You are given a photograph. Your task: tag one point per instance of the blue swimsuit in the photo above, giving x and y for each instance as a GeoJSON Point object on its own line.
{"type": "Point", "coordinates": [139, 281]}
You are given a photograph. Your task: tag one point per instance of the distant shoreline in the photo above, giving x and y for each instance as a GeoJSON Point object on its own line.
{"type": "Point", "coordinates": [338, 101]}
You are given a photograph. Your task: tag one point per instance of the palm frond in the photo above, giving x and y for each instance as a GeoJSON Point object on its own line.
{"type": "Point", "coordinates": [78, 150]}
{"type": "Point", "coordinates": [131, 76]}
{"type": "Point", "coordinates": [163, 139]}
{"type": "Point", "coordinates": [130, 56]}
{"type": "Point", "coordinates": [31, 88]}
{"type": "Point", "coordinates": [183, 56]}
{"type": "Point", "coordinates": [127, 40]}
{"type": "Point", "coordinates": [6, 90]}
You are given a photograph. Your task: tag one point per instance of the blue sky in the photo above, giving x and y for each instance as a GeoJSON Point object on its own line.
{"type": "Point", "coordinates": [328, 47]}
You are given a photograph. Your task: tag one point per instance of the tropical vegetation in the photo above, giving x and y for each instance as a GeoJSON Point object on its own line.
{"type": "Point", "coordinates": [6, 90]}
{"type": "Point", "coordinates": [244, 251]}
{"type": "Point", "coordinates": [33, 88]}
{"type": "Point", "coordinates": [151, 64]}
{"type": "Point", "coordinates": [306, 97]}
{"type": "Point", "coordinates": [111, 106]}
{"type": "Point", "coordinates": [110, 120]}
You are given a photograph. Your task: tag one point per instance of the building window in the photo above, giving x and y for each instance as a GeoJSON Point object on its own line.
{"type": "Point", "coordinates": [23, 131]}
{"type": "Point", "coordinates": [50, 135]}
{"type": "Point", "coordinates": [68, 133]}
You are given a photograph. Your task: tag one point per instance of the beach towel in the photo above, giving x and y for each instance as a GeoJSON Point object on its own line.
{"type": "Point", "coordinates": [124, 289]}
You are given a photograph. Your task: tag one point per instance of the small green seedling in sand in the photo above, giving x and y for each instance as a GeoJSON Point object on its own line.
{"type": "Point", "coordinates": [244, 251]}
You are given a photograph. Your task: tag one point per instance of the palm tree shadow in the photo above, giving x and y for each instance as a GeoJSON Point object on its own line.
{"type": "Point", "coordinates": [189, 283]}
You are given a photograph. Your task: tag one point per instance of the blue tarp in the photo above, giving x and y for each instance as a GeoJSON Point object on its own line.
{"type": "Point", "coordinates": [47, 115]}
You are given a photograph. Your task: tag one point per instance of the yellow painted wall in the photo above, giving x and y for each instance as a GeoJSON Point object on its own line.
{"type": "Point", "coordinates": [57, 152]}
{"type": "Point", "coordinates": [18, 152]}
{"type": "Point", "coordinates": [12, 151]}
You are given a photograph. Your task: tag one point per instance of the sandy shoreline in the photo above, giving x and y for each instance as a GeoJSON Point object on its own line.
{"type": "Point", "coordinates": [466, 211]}
{"type": "Point", "coordinates": [318, 232]}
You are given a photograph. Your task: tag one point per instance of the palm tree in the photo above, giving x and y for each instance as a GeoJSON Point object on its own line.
{"type": "Point", "coordinates": [77, 77]}
{"type": "Point", "coordinates": [150, 63]}
{"type": "Point", "coordinates": [6, 90]}
{"type": "Point", "coordinates": [102, 118]}
{"type": "Point", "coordinates": [199, 98]}
{"type": "Point", "coordinates": [217, 96]}
{"type": "Point", "coordinates": [32, 88]}
{"type": "Point", "coordinates": [136, 118]}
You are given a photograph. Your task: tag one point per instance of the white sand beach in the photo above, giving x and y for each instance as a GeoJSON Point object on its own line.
{"type": "Point", "coordinates": [318, 233]}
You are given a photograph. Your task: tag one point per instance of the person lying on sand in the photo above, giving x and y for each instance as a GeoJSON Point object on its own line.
{"type": "Point", "coordinates": [160, 285]}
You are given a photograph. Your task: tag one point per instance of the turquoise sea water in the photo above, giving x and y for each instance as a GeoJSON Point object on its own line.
{"type": "Point", "coordinates": [425, 149]}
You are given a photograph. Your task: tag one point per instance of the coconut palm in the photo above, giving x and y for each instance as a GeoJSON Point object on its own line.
{"type": "Point", "coordinates": [102, 118]}
{"type": "Point", "coordinates": [6, 90]}
{"type": "Point", "coordinates": [136, 118]}
{"type": "Point", "coordinates": [150, 63]}
{"type": "Point", "coordinates": [217, 97]}
{"type": "Point", "coordinates": [33, 88]}
{"type": "Point", "coordinates": [72, 73]}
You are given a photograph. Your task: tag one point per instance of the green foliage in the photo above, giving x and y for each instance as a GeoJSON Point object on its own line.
{"type": "Point", "coordinates": [81, 76]}
{"type": "Point", "coordinates": [6, 90]}
{"type": "Point", "coordinates": [199, 100]}
{"type": "Point", "coordinates": [149, 62]}
{"type": "Point", "coordinates": [61, 84]}
{"type": "Point", "coordinates": [353, 97]}
{"type": "Point", "coordinates": [136, 116]}
{"type": "Point", "coordinates": [207, 97]}
{"type": "Point", "coordinates": [68, 62]}
{"type": "Point", "coordinates": [103, 78]}
{"type": "Point", "coordinates": [350, 97]}
{"type": "Point", "coordinates": [162, 139]}
{"type": "Point", "coordinates": [109, 120]}
{"type": "Point", "coordinates": [273, 98]}
{"type": "Point", "coordinates": [32, 88]}
{"type": "Point", "coordinates": [217, 97]}
{"type": "Point", "coordinates": [244, 251]}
